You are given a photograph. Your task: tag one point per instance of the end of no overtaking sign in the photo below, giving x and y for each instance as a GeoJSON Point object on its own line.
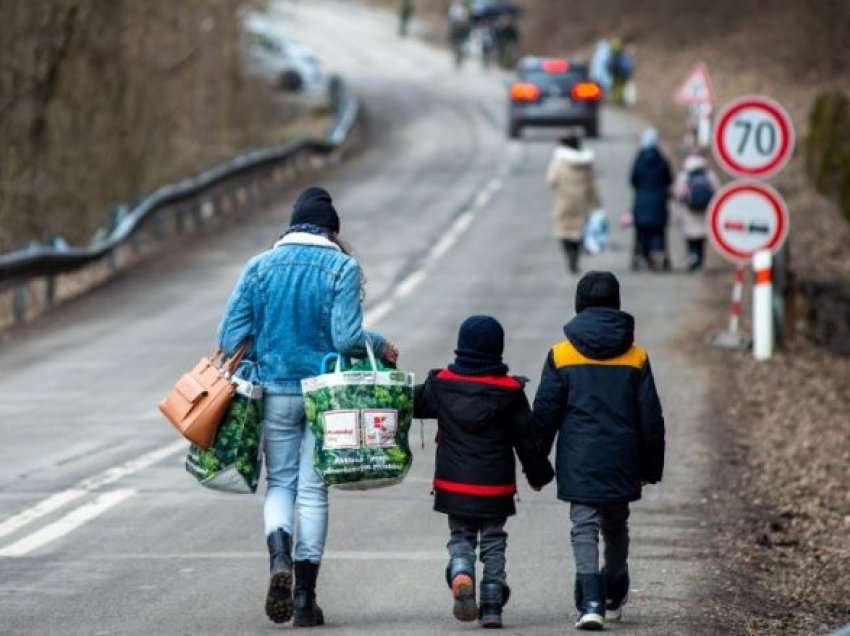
{"type": "Point", "coordinates": [753, 137]}
{"type": "Point", "coordinates": [745, 217]}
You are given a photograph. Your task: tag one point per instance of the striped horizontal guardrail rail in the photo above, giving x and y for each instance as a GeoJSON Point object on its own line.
{"type": "Point", "coordinates": [250, 179]}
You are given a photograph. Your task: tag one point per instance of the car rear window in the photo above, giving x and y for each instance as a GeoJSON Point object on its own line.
{"type": "Point", "coordinates": [563, 80]}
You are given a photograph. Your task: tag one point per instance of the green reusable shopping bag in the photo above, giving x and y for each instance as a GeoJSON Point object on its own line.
{"type": "Point", "coordinates": [360, 418]}
{"type": "Point", "coordinates": [234, 461]}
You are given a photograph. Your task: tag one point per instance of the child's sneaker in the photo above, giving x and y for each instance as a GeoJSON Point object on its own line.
{"type": "Point", "coordinates": [616, 595]}
{"type": "Point", "coordinates": [494, 596]}
{"type": "Point", "coordinates": [460, 575]}
{"type": "Point", "coordinates": [591, 609]}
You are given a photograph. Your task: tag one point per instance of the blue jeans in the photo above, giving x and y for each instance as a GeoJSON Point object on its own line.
{"type": "Point", "coordinates": [291, 478]}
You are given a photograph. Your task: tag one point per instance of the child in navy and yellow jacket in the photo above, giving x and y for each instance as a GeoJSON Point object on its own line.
{"type": "Point", "coordinates": [598, 396]}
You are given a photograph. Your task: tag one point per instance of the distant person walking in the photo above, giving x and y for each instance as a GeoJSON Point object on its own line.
{"type": "Point", "coordinates": [571, 176]}
{"type": "Point", "coordinates": [459, 30]}
{"type": "Point", "coordinates": [651, 179]}
{"type": "Point", "coordinates": [600, 65]}
{"type": "Point", "coordinates": [295, 303]}
{"type": "Point", "coordinates": [405, 15]}
{"type": "Point", "coordinates": [695, 184]}
{"type": "Point", "coordinates": [507, 41]}
{"type": "Point", "coordinates": [621, 67]}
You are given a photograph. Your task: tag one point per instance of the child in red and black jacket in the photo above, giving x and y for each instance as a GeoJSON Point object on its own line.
{"type": "Point", "coordinates": [483, 415]}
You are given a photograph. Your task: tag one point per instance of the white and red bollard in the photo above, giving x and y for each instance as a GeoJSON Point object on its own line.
{"type": "Point", "coordinates": [763, 305]}
{"type": "Point", "coordinates": [737, 296]}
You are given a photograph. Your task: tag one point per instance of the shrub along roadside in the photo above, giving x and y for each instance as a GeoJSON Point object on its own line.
{"type": "Point", "coordinates": [828, 148]}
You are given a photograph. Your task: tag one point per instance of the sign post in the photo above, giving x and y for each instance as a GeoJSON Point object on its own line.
{"type": "Point", "coordinates": [747, 219]}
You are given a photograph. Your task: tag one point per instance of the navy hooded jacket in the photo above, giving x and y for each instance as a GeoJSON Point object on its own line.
{"type": "Point", "coordinates": [651, 179]}
{"type": "Point", "coordinates": [597, 394]}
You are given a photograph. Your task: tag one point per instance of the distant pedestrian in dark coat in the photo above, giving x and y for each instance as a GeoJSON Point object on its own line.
{"type": "Point", "coordinates": [651, 179]}
{"type": "Point", "coordinates": [597, 394]}
{"type": "Point", "coordinates": [482, 416]}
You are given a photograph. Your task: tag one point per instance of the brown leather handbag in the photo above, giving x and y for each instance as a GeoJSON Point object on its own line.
{"type": "Point", "coordinates": [198, 402]}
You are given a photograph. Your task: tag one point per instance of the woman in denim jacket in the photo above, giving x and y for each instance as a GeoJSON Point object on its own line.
{"type": "Point", "coordinates": [296, 303]}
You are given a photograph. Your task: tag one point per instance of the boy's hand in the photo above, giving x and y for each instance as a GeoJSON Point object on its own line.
{"type": "Point", "coordinates": [537, 479]}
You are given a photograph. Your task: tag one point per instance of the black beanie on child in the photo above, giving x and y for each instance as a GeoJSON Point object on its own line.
{"type": "Point", "coordinates": [315, 207]}
{"type": "Point", "coordinates": [480, 343]}
{"type": "Point", "coordinates": [597, 289]}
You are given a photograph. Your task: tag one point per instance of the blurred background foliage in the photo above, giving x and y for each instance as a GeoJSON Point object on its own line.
{"type": "Point", "coordinates": [102, 101]}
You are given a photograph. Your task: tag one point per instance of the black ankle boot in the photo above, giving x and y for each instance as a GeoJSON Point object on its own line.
{"type": "Point", "coordinates": [492, 599]}
{"type": "Point", "coordinates": [307, 612]}
{"type": "Point", "coordinates": [279, 596]}
{"type": "Point", "coordinates": [616, 593]}
{"type": "Point", "coordinates": [590, 602]}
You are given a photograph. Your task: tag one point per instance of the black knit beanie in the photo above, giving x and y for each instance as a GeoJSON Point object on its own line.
{"type": "Point", "coordinates": [480, 343]}
{"type": "Point", "coordinates": [597, 289]}
{"type": "Point", "coordinates": [315, 207]}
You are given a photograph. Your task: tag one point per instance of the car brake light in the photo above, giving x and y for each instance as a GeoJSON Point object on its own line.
{"type": "Point", "coordinates": [525, 92]}
{"type": "Point", "coordinates": [555, 66]}
{"type": "Point", "coordinates": [587, 92]}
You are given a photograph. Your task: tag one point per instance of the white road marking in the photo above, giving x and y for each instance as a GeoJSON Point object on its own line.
{"type": "Point", "coordinates": [448, 240]}
{"type": "Point", "coordinates": [482, 199]}
{"type": "Point", "coordinates": [82, 488]}
{"type": "Point", "coordinates": [406, 287]}
{"type": "Point", "coordinates": [68, 523]}
{"type": "Point", "coordinates": [440, 249]}
{"type": "Point", "coordinates": [42, 508]}
{"type": "Point", "coordinates": [378, 312]}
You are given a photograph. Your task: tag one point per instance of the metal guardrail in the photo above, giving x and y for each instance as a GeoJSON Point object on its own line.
{"type": "Point", "coordinates": [20, 267]}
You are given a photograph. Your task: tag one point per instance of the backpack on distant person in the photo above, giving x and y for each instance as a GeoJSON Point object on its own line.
{"type": "Point", "coordinates": [621, 65]}
{"type": "Point", "coordinates": [700, 190]}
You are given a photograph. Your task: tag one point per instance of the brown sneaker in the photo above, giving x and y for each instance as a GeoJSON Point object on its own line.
{"type": "Point", "coordinates": [463, 590]}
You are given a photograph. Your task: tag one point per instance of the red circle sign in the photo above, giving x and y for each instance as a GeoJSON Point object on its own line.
{"type": "Point", "coordinates": [745, 217]}
{"type": "Point", "coordinates": [754, 137]}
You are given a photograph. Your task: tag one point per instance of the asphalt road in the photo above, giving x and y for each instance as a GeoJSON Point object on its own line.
{"type": "Point", "coordinates": [102, 532]}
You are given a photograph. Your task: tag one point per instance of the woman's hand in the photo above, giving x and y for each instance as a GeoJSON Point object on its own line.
{"type": "Point", "coordinates": [390, 353]}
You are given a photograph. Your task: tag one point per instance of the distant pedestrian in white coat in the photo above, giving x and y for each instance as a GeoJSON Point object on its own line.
{"type": "Point", "coordinates": [570, 175]}
{"type": "Point", "coordinates": [695, 184]}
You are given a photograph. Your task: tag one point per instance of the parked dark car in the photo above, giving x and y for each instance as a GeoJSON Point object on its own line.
{"type": "Point", "coordinates": [553, 92]}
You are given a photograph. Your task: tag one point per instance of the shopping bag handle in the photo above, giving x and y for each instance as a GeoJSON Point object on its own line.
{"type": "Point", "coordinates": [340, 363]}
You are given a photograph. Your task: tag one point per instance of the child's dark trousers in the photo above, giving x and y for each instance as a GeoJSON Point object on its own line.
{"type": "Point", "coordinates": [471, 532]}
{"type": "Point", "coordinates": [612, 520]}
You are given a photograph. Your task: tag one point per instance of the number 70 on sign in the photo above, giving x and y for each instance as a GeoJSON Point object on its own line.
{"type": "Point", "coordinates": [754, 137]}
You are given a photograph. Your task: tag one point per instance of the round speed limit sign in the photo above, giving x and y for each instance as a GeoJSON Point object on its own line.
{"type": "Point", "coordinates": [753, 137]}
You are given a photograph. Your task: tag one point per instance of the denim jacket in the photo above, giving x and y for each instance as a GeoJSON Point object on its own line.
{"type": "Point", "coordinates": [296, 302]}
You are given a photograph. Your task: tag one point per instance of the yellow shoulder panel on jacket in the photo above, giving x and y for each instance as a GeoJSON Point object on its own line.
{"type": "Point", "coordinates": [566, 355]}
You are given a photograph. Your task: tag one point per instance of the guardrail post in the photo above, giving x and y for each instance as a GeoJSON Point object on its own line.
{"type": "Point", "coordinates": [19, 302]}
{"type": "Point", "coordinates": [158, 225]}
{"type": "Point", "coordinates": [197, 215]}
{"type": "Point", "coordinates": [50, 291]}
